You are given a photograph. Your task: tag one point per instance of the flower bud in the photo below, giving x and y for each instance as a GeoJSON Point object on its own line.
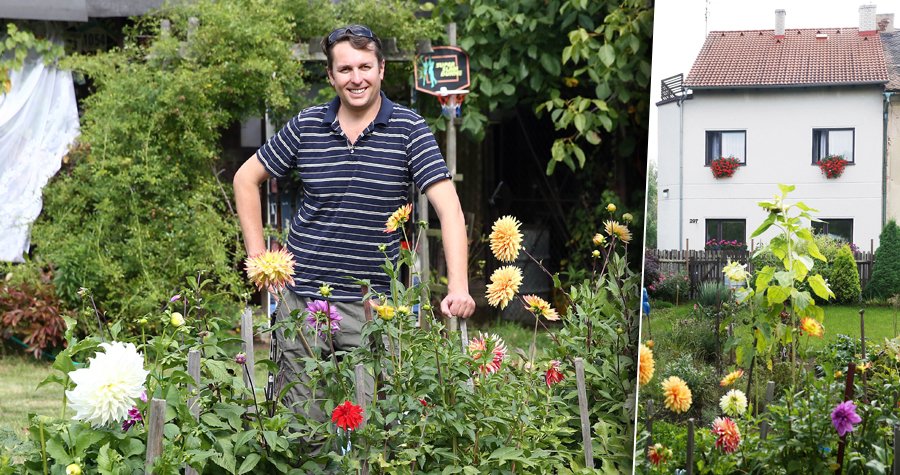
{"type": "Point", "coordinates": [627, 217]}
{"type": "Point", "coordinates": [142, 321]}
{"type": "Point", "coordinates": [611, 208]}
{"type": "Point", "coordinates": [599, 239]}
{"type": "Point", "coordinates": [240, 359]}
{"type": "Point", "coordinates": [73, 469]}
{"type": "Point", "coordinates": [596, 253]}
{"type": "Point", "coordinates": [325, 290]}
{"type": "Point", "coordinates": [176, 319]}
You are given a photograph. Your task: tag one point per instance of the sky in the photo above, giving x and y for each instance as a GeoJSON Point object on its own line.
{"type": "Point", "coordinates": [680, 28]}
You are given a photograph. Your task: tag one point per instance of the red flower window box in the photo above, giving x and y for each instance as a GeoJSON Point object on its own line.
{"type": "Point", "coordinates": [833, 166]}
{"type": "Point", "coordinates": [724, 167]}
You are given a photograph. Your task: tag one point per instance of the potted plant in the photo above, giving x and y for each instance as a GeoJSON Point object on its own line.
{"type": "Point", "coordinates": [724, 167]}
{"type": "Point", "coordinates": [832, 166]}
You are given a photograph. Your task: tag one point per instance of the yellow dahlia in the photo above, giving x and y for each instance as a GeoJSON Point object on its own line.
{"type": "Point", "coordinates": [398, 218]}
{"type": "Point", "coordinates": [505, 282]}
{"type": "Point", "coordinates": [539, 307]}
{"type": "Point", "coordinates": [736, 271]}
{"type": "Point", "coordinates": [506, 240]}
{"type": "Point", "coordinates": [611, 208]}
{"type": "Point", "coordinates": [731, 378]}
{"type": "Point", "coordinates": [812, 327]}
{"type": "Point", "coordinates": [646, 365]}
{"type": "Point", "coordinates": [598, 239]}
{"type": "Point", "coordinates": [618, 230]}
{"type": "Point", "coordinates": [677, 394]}
{"type": "Point", "coordinates": [385, 312]}
{"type": "Point", "coordinates": [271, 269]}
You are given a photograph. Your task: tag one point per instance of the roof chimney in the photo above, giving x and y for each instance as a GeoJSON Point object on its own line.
{"type": "Point", "coordinates": [885, 22]}
{"type": "Point", "coordinates": [779, 23]}
{"type": "Point", "coordinates": [866, 20]}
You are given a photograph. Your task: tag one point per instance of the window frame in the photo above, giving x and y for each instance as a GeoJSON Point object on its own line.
{"type": "Point", "coordinates": [816, 153]}
{"type": "Point", "coordinates": [707, 147]}
{"type": "Point", "coordinates": [719, 223]}
{"type": "Point", "coordinates": [825, 223]}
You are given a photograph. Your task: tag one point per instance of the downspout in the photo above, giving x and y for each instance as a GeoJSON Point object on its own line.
{"type": "Point", "coordinates": [884, 150]}
{"type": "Point", "coordinates": [681, 168]}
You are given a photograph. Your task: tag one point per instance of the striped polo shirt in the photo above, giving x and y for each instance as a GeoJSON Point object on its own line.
{"type": "Point", "coordinates": [349, 191]}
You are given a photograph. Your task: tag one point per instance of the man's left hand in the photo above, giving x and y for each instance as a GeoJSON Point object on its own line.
{"type": "Point", "coordinates": [459, 304]}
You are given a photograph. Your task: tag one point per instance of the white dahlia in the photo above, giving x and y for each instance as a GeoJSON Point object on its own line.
{"type": "Point", "coordinates": [107, 388]}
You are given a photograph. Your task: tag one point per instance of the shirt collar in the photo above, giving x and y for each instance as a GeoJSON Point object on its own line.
{"type": "Point", "coordinates": [383, 117]}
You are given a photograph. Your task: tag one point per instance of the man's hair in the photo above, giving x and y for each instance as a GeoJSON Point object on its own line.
{"type": "Point", "coordinates": [356, 41]}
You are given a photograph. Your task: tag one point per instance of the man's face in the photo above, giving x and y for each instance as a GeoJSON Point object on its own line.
{"type": "Point", "coordinates": [356, 76]}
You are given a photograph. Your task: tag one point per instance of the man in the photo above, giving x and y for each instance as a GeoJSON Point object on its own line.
{"type": "Point", "coordinates": [356, 157]}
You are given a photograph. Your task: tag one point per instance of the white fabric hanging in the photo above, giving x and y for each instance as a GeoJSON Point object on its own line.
{"type": "Point", "coordinates": [38, 123]}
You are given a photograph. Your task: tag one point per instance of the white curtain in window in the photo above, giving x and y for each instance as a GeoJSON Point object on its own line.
{"type": "Point", "coordinates": [840, 142]}
{"type": "Point", "coordinates": [733, 145]}
{"type": "Point", "coordinates": [38, 122]}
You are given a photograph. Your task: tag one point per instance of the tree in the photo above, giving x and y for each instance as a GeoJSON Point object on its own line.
{"type": "Point", "coordinates": [845, 277]}
{"type": "Point", "coordinates": [885, 280]}
{"type": "Point", "coordinates": [652, 199]}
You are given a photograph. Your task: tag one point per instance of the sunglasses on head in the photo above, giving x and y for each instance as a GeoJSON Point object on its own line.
{"type": "Point", "coordinates": [352, 30]}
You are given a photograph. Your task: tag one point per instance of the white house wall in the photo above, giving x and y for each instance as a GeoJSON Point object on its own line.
{"type": "Point", "coordinates": [779, 125]}
{"type": "Point", "coordinates": [893, 156]}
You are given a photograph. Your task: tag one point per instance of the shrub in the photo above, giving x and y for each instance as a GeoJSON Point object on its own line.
{"type": "Point", "coordinates": [844, 277]}
{"type": "Point", "coordinates": [700, 378]}
{"type": "Point", "coordinates": [712, 294]}
{"type": "Point", "coordinates": [695, 336]}
{"type": "Point", "coordinates": [31, 315]}
{"type": "Point", "coordinates": [885, 279]}
{"type": "Point", "coordinates": [671, 287]}
{"type": "Point", "coordinates": [828, 245]}
{"type": "Point", "coordinates": [651, 267]}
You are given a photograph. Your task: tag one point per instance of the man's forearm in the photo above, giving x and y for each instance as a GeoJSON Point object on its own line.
{"type": "Point", "coordinates": [453, 231]}
{"type": "Point", "coordinates": [246, 196]}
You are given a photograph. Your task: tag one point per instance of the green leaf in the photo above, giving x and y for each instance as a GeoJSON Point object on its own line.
{"type": "Point", "coordinates": [249, 463]}
{"type": "Point", "coordinates": [820, 287]}
{"type": "Point", "coordinates": [770, 220]}
{"type": "Point", "coordinates": [607, 55]}
{"type": "Point", "coordinates": [764, 277]}
{"type": "Point", "coordinates": [777, 295]}
{"type": "Point", "coordinates": [785, 189]}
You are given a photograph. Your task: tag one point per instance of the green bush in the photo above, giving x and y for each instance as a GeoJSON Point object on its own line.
{"type": "Point", "coordinates": [828, 245]}
{"type": "Point", "coordinates": [696, 336]}
{"type": "Point", "coordinates": [674, 287]}
{"type": "Point", "coordinates": [701, 379]}
{"type": "Point", "coordinates": [844, 277]}
{"type": "Point", "coordinates": [885, 279]}
{"type": "Point", "coordinates": [711, 294]}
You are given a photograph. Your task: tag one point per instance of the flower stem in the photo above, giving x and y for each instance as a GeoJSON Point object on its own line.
{"type": "Point", "coordinates": [256, 406]}
{"type": "Point", "coordinates": [43, 447]}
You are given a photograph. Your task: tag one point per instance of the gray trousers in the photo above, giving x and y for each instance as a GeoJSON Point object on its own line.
{"type": "Point", "coordinates": [287, 354]}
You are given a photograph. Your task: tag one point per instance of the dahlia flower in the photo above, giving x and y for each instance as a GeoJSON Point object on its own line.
{"type": "Point", "coordinates": [812, 327]}
{"type": "Point", "coordinates": [736, 271]}
{"type": "Point", "coordinates": [318, 316]}
{"type": "Point", "coordinates": [646, 365]}
{"type": "Point", "coordinates": [728, 436]}
{"type": "Point", "coordinates": [488, 351]}
{"type": "Point", "coordinates": [134, 416]}
{"type": "Point", "coordinates": [540, 308]}
{"type": "Point", "coordinates": [658, 454]}
{"type": "Point", "coordinates": [398, 218]}
{"type": "Point", "coordinates": [347, 416]}
{"type": "Point", "coordinates": [385, 312]}
{"type": "Point", "coordinates": [106, 389]}
{"type": "Point", "coordinates": [618, 230]}
{"type": "Point", "coordinates": [273, 269]}
{"type": "Point", "coordinates": [176, 319]}
{"type": "Point", "coordinates": [553, 375]}
{"type": "Point", "coordinates": [677, 394]}
{"type": "Point", "coordinates": [844, 417]}
{"type": "Point", "coordinates": [599, 239]}
{"type": "Point", "coordinates": [731, 378]}
{"type": "Point", "coordinates": [505, 238]}
{"type": "Point", "coordinates": [734, 403]}
{"type": "Point", "coordinates": [505, 282]}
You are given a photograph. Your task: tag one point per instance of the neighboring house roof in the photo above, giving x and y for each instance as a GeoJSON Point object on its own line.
{"type": "Point", "coordinates": [74, 10]}
{"type": "Point", "coordinates": [756, 58]}
{"type": "Point", "coordinates": [891, 42]}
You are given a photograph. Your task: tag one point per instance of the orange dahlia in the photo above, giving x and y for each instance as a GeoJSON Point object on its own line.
{"type": "Point", "coordinates": [646, 365]}
{"type": "Point", "coordinates": [505, 238]}
{"type": "Point", "coordinates": [540, 307]}
{"type": "Point", "coordinates": [398, 218]}
{"type": "Point", "coordinates": [487, 351]}
{"type": "Point", "coordinates": [812, 327]}
{"type": "Point", "coordinates": [677, 394]}
{"type": "Point", "coordinates": [731, 378]}
{"type": "Point", "coordinates": [505, 282]}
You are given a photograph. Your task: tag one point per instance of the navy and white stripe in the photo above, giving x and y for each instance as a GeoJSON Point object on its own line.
{"type": "Point", "coordinates": [349, 191]}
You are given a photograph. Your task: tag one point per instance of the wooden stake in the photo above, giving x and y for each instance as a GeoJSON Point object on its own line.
{"type": "Point", "coordinates": [862, 340]}
{"type": "Point", "coordinates": [848, 394]}
{"type": "Point", "coordinates": [690, 447]}
{"type": "Point", "coordinates": [770, 394]}
{"type": "Point", "coordinates": [155, 423]}
{"type": "Point", "coordinates": [247, 347]}
{"type": "Point", "coordinates": [583, 410]}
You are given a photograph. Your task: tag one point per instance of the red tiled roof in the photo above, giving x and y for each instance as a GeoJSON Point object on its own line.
{"type": "Point", "coordinates": [756, 58]}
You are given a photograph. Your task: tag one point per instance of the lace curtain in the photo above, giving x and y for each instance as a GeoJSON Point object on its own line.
{"type": "Point", "coordinates": [38, 122]}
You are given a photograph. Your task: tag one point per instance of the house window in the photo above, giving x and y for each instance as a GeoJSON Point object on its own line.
{"type": "Point", "coordinates": [833, 142]}
{"type": "Point", "coordinates": [721, 143]}
{"type": "Point", "coordinates": [842, 228]}
{"type": "Point", "coordinates": [726, 230]}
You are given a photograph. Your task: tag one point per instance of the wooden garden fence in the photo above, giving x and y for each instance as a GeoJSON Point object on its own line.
{"type": "Point", "coordinates": [706, 265]}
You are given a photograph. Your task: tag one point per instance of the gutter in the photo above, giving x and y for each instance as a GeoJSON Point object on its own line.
{"type": "Point", "coordinates": [884, 158]}
{"type": "Point", "coordinates": [681, 169]}
{"type": "Point", "coordinates": [878, 82]}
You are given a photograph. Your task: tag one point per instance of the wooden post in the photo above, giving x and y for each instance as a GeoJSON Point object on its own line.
{"type": "Point", "coordinates": [583, 410]}
{"type": "Point", "coordinates": [862, 339]}
{"type": "Point", "coordinates": [453, 323]}
{"type": "Point", "coordinates": [247, 346]}
{"type": "Point", "coordinates": [764, 425]}
{"type": "Point", "coordinates": [451, 123]}
{"type": "Point", "coordinates": [464, 334]}
{"type": "Point", "coordinates": [155, 432]}
{"type": "Point", "coordinates": [848, 393]}
{"type": "Point", "coordinates": [690, 447]}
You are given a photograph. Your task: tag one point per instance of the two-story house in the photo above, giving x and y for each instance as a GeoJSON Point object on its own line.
{"type": "Point", "coordinates": [777, 101]}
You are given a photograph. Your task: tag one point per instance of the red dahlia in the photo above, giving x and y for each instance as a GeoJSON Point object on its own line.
{"type": "Point", "coordinates": [347, 416]}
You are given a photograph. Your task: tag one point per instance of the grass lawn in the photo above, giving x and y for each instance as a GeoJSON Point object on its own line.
{"type": "Point", "coordinates": [20, 376]}
{"type": "Point", "coordinates": [881, 322]}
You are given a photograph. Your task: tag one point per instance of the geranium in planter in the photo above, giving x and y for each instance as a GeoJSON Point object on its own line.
{"type": "Point", "coordinates": [724, 167]}
{"type": "Point", "coordinates": [833, 165]}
